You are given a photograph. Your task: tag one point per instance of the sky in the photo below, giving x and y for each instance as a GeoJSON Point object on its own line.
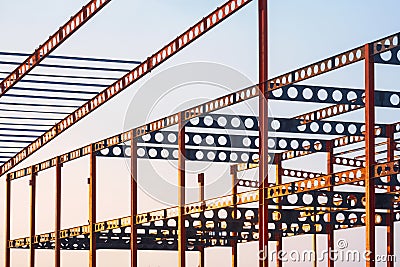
{"type": "Point", "coordinates": [300, 32]}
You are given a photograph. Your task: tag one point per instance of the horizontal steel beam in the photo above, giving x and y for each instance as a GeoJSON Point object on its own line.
{"type": "Point", "coordinates": [229, 8]}
{"type": "Point", "coordinates": [247, 123]}
{"type": "Point", "coordinates": [219, 223]}
{"type": "Point", "coordinates": [303, 198]}
{"type": "Point", "coordinates": [152, 62]}
{"type": "Point", "coordinates": [54, 41]}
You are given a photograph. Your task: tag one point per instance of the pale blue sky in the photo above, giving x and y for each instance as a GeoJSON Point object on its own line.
{"type": "Point", "coordinates": [300, 32]}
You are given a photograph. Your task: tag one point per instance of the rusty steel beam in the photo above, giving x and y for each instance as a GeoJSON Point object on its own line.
{"type": "Point", "coordinates": [338, 142]}
{"type": "Point", "coordinates": [341, 178]}
{"type": "Point", "coordinates": [332, 63]}
{"type": "Point", "coordinates": [200, 180]}
{"type": "Point", "coordinates": [54, 41]}
{"type": "Point", "coordinates": [289, 173]}
{"type": "Point", "coordinates": [300, 173]}
{"type": "Point", "coordinates": [155, 60]}
{"type": "Point", "coordinates": [347, 140]}
{"type": "Point", "coordinates": [170, 121]}
{"type": "Point", "coordinates": [134, 201]}
{"type": "Point", "coordinates": [361, 148]}
{"type": "Point", "coordinates": [57, 240]}
{"type": "Point", "coordinates": [181, 192]}
{"type": "Point", "coordinates": [349, 162]}
{"type": "Point", "coordinates": [292, 77]}
{"type": "Point", "coordinates": [320, 114]}
{"type": "Point", "coordinates": [263, 129]}
{"type": "Point", "coordinates": [376, 154]}
{"type": "Point", "coordinates": [370, 155]}
{"type": "Point", "coordinates": [32, 183]}
{"type": "Point", "coordinates": [324, 113]}
{"type": "Point", "coordinates": [327, 112]}
{"type": "Point", "coordinates": [391, 147]}
{"type": "Point", "coordinates": [7, 255]}
{"type": "Point", "coordinates": [305, 185]}
{"type": "Point", "coordinates": [92, 208]}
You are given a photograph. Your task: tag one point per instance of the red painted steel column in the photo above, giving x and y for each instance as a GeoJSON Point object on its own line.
{"type": "Point", "coordinates": [33, 219]}
{"type": "Point", "coordinates": [263, 132]}
{"type": "Point", "coordinates": [391, 147]}
{"type": "Point", "coordinates": [7, 255]}
{"type": "Point", "coordinates": [92, 208]}
{"type": "Point", "coordinates": [134, 201]}
{"type": "Point", "coordinates": [370, 154]}
{"type": "Point", "coordinates": [181, 192]}
{"type": "Point", "coordinates": [57, 241]}
{"type": "Point", "coordinates": [201, 198]}
{"type": "Point", "coordinates": [330, 227]}
{"type": "Point", "coordinates": [279, 239]}
{"type": "Point", "coordinates": [234, 215]}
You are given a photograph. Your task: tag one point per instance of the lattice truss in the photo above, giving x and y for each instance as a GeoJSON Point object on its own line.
{"type": "Point", "coordinates": [310, 203]}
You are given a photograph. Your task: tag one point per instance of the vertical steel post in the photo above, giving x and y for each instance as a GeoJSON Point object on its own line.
{"type": "Point", "coordinates": [314, 240]}
{"type": "Point", "coordinates": [92, 208]}
{"type": "Point", "coordinates": [234, 215]}
{"type": "Point", "coordinates": [134, 200]}
{"type": "Point", "coordinates": [330, 227]}
{"type": "Point", "coordinates": [32, 183]}
{"type": "Point", "coordinates": [200, 179]}
{"type": "Point", "coordinates": [370, 154]}
{"type": "Point", "coordinates": [181, 191]}
{"type": "Point", "coordinates": [279, 239]}
{"type": "Point", "coordinates": [7, 255]}
{"type": "Point", "coordinates": [391, 147]}
{"type": "Point", "coordinates": [201, 198]}
{"type": "Point", "coordinates": [57, 241]}
{"type": "Point", "coordinates": [263, 131]}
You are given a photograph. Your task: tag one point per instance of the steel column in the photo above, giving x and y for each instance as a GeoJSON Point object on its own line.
{"type": "Point", "coordinates": [201, 198]}
{"type": "Point", "coordinates": [279, 239]}
{"type": "Point", "coordinates": [369, 154]}
{"type": "Point", "coordinates": [234, 215]}
{"type": "Point", "coordinates": [92, 208]}
{"type": "Point", "coordinates": [391, 147]}
{"type": "Point", "coordinates": [134, 201]}
{"type": "Point", "coordinates": [330, 230]}
{"type": "Point", "coordinates": [181, 192]}
{"type": "Point", "coordinates": [32, 184]}
{"type": "Point", "coordinates": [7, 255]}
{"type": "Point", "coordinates": [57, 240]}
{"type": "Point", "coordinates": [314, 242]}
{"type": "Point", "coordinates": [263, 131]}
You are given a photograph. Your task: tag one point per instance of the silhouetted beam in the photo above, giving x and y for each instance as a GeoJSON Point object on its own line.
{"type": "Point", "coordinates": [155, 60]}
{"type": "Point", "coordinates": [298, 222]}
{"type": "Point", "coordinates": [107, 60]}
{"type": "Point", "coordinates": [54, 41]}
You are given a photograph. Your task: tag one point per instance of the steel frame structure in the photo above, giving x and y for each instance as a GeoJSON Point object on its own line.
{"type": "Point", "coordinates": [226, 220]}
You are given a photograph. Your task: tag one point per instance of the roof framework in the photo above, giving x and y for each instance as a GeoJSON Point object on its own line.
{"type": "Point", "coordinates": [322, 205]}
